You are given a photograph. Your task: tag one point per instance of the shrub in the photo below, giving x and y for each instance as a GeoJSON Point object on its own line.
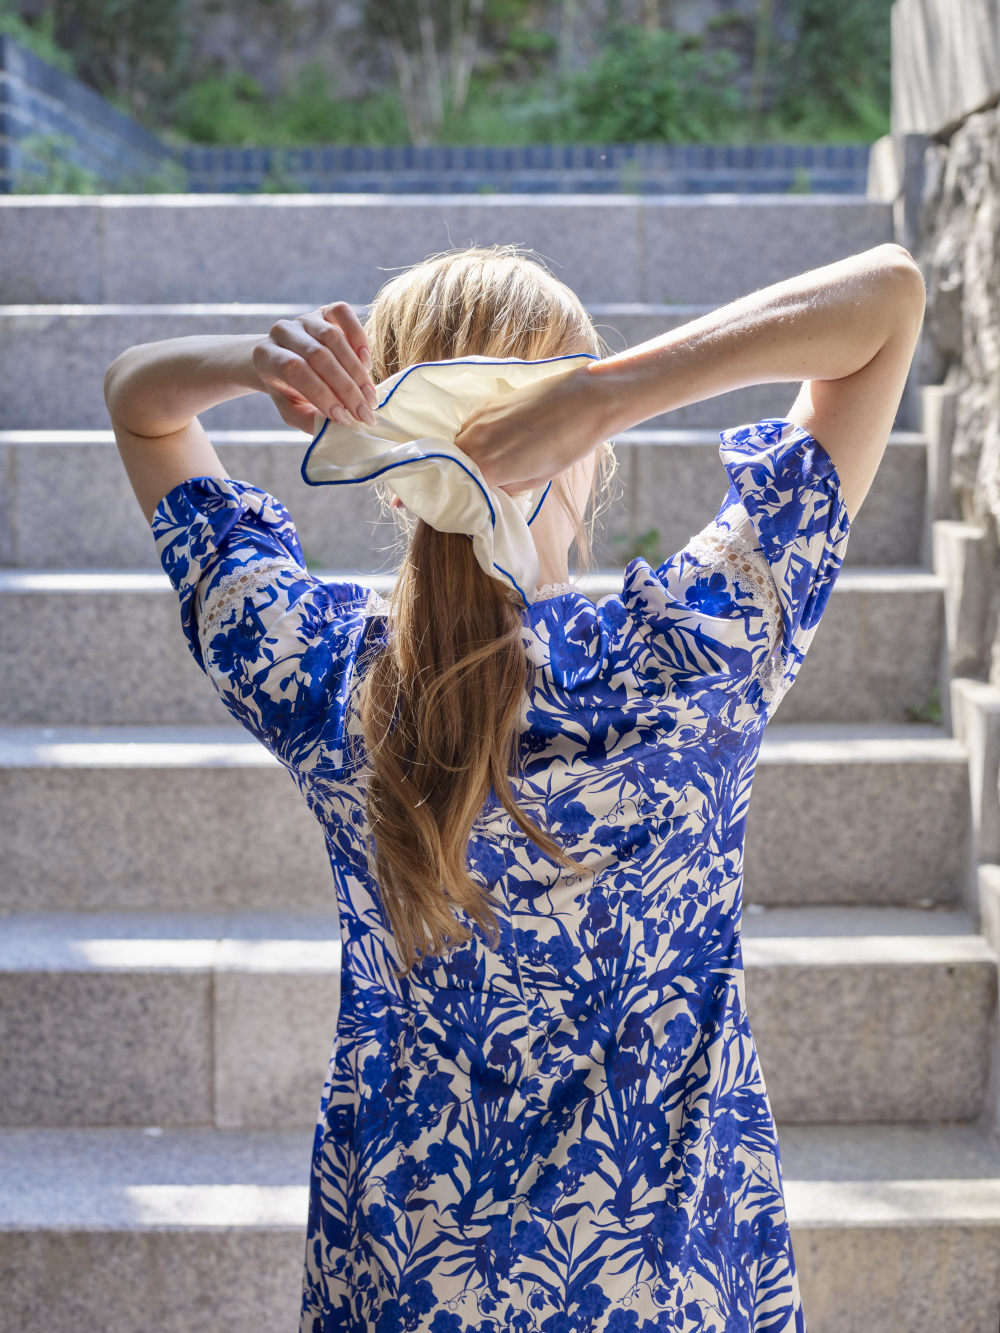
{"type": "Point", "coordinates": [832, 78]}
{"type": "Point", "coordinates": [38, 38]}
{"type": "Point", "coordinates": [233, 109]}
{"type": "Point", "coordinates": [649, 87]}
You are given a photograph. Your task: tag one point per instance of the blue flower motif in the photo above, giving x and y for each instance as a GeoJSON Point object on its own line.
{"type": "Point", "coordinates": [561, 954]}
{"type": "Point", "coordinates": [529, 1237]}
{"type": "Point", "coordinates": [622, 1321]}
{"type": "Point", "coordinates": [711, 596]}
{"type": "Point", "coordinates": [592, 1302]}
{"type": "Point", "coordinates": [445, 1322]}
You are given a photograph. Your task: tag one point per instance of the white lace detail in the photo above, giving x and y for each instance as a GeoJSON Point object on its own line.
{"type": "Point", "coordinates": [734, 551]}
{"type": "Point", "coordinates": [376, 605]}
{"type": "Point", "coordinates": [548, 590]}
{"type": "Point", "coordinates": [234, 588]}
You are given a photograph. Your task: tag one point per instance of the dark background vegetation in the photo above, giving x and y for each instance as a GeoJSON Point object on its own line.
{"type": "Point", "coordinates": [476, 71]}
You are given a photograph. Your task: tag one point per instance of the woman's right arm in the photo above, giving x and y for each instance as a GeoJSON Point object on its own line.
{"type": "Point", "coordinates": [155, 391]}
{"type": "Point", "coordinates": [847, 331]}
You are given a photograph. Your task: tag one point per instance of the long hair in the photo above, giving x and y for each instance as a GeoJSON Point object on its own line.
{"type": "Point", "coordinates": [441, 702]}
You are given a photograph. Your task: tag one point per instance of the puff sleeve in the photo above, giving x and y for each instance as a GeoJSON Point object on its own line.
{"type": "Point", "coordinates": [734, 612]}
{"type": "Point", "coordinates": [277, 643]}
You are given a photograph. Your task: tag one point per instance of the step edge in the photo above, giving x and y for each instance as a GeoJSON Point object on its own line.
{"type": "Point", "coordinates": [862, 951]}
{"type": "Point", "coordinates": [893, 1203]}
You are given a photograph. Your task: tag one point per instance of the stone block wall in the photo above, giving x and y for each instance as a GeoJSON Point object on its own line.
{"type": "Point", "coordinates": [39, 102]}
{"type": "Point", "coordinates": [946, 88]}
{"type": "Point", "coordinates": [959, 250]}
{"type": "Point", "coordinates": [945, 62]}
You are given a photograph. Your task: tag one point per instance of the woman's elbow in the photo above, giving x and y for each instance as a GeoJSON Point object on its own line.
{"type": "Point", "coordinates": [114, 383]}
{"type": "Point", "coordinates": [901, 283]}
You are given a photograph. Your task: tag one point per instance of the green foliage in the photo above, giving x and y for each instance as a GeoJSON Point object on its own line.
{"type": "Point", "coordinates": [47, 168]}
{"type": "Point", "coordinates": [832, 79]}
{"type": "Point", "coordinates": [642, 546]}
{"type": "Point", "coordinates": [235, 110]}
{"type": "Point", "coordinates": [516, 43]}
{"type": "Point", "coordinates": [36, 37]}
{"type": "Point", "coordinates": [221, 110]}
{"type": "Point", "coordinates": [502, 112]}
{"type": "Point", "coordinates": [928, 712]}
{"type": "Point", "coordinates": [653, 87]}
{"type": "Point", "coordinates": [825, 63]}
{"type": "Point", "coordinates": [169, 178]}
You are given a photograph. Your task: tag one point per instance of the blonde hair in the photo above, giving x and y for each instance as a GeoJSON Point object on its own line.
{"type": "Point", "coordinates": [441, 701]}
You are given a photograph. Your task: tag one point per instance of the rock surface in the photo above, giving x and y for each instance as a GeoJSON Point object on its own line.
{"type": "Point", "coordinates": [959, 252]}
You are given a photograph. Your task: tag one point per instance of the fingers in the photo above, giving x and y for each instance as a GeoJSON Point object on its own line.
{"type": "Point", "coordinates": [314, 356]}
{"type": "Point", "coordinates": [330, 361]}
{"type": "Point", "coordinates": [346, 331]}
{"type": "Point", "coordinates": [342, 314]}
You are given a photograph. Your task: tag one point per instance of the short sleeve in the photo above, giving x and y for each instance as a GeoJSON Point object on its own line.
{"type": "Point", "coordinates": [729, 618]}
{"type": "Point", "coordinates": [786, 483]}
{"type": "Point", "coordinates": [278, 643]}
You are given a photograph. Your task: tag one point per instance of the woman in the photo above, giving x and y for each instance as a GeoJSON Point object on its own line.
{"type": "Point", "coordinates": [544, 1108]}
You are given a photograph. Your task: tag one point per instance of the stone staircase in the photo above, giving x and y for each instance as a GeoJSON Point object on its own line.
{"type": "Point", "coordinates": [169, 947]}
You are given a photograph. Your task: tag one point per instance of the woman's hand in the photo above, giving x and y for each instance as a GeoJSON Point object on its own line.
{"type": "Point", "coordinates": [319, 362]}
{"type": "Point", "coordinates": [526, 438]}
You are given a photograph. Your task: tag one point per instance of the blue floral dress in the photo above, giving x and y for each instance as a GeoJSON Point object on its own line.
{"type": "Point", "coordinates": [570, 1130]}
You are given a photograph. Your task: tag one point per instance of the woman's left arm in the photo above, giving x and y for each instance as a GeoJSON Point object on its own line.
{"type": "Point", "coordinates": [154, 392]}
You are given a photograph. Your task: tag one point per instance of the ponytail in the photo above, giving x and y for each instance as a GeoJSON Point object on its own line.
{"type": "Point", "coordinates": [439, 709]}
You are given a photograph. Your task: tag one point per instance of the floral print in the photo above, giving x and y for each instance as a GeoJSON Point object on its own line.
{"type": "Point", "coordinates": [568, 1131]}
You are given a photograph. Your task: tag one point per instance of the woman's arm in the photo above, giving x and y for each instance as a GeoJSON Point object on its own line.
{"type": "Point", "coordinates": [154, 392]}
{"type": "Point", "coordinates": [848, 331]}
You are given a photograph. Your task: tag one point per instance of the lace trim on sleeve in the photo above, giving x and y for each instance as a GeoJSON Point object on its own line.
{"type": "Point", "coordinates": [230, 592]}
{"type": "Point", "coordinates": [733, 550]}
{"type": "Point", "coordinates": [377, 605]}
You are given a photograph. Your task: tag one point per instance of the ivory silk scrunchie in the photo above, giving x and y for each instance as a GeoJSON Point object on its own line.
{"type": "Point", "coordinates": [420, 411]}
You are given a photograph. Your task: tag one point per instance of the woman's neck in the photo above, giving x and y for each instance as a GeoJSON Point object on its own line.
{"type": "Point", "coordinates": [552, 534]}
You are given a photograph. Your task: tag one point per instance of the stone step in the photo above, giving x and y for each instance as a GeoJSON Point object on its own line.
{"type": "Point", "coordinates": [106, 648]}
{"type": "Point", "coordinates": [67, 503]}
{"type": "Point", "coordinates": [203, 818]}
{"type": "Point", "coordinates": [203, 1231]}
{"type": "Point", "coordinates": [55, 358]}
{"type": "Point", "coordinates": [870, 1014]}
{"type": "Point", "coordinates": [895, 1227]}
{"type": "Point", "coordinates": [314, 248]}
{"type": "Point", "coordinates": [195, 1019]}
{"type": "Point", "coordinates": [167, 1018]}
{"type": "Point", "coordinates": [877, 652]}
{"type": "Point", "coordinates": [183, 818]}
{"type": "Point", "coordinates": [197, 1231]}
{"type": "Point", "coordinates": [867, 815]}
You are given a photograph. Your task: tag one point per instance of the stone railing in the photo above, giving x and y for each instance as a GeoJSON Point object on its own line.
{"type": "Point", "coordinates": [534, 169]}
